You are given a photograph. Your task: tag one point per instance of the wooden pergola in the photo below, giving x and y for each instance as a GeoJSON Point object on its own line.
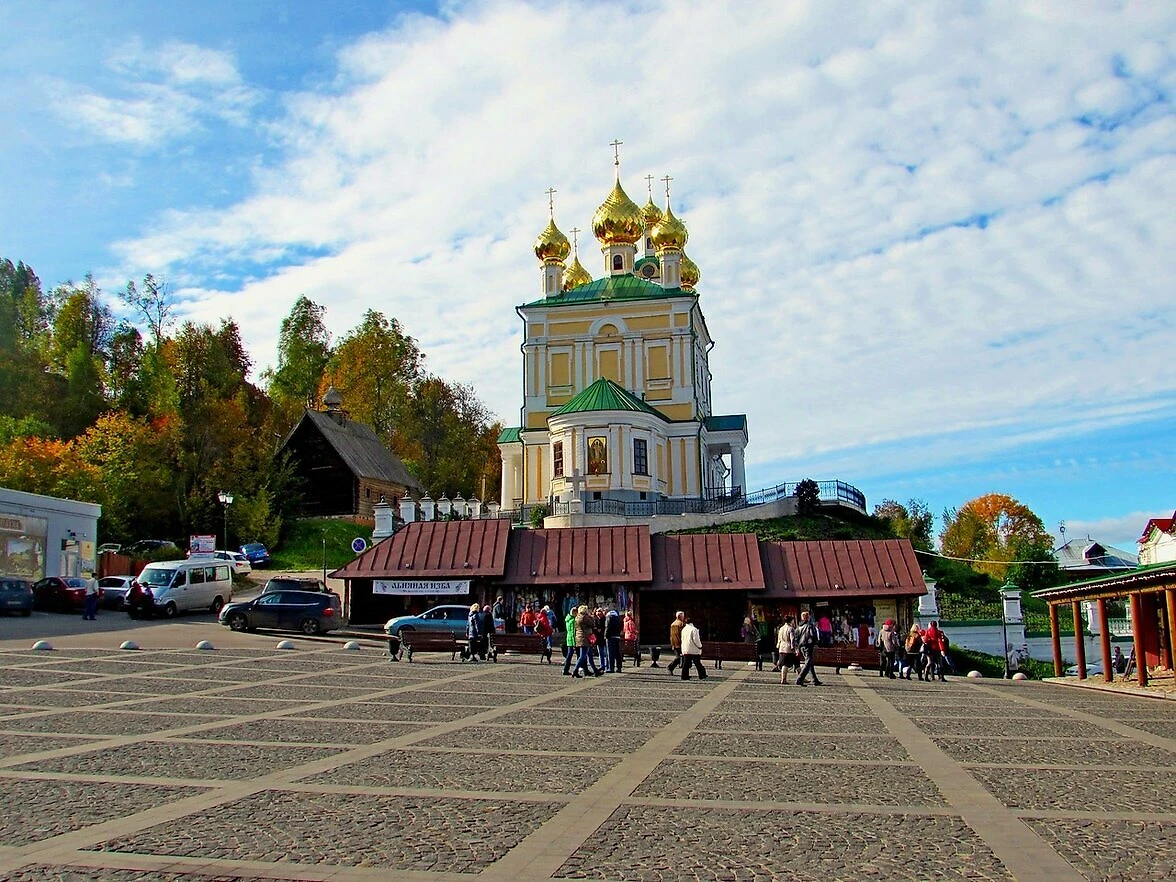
{"type": "Point", "coordinates": [1151, 593]}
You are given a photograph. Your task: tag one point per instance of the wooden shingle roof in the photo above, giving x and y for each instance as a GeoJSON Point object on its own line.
{"type": "Point", "coordinates": [360, 449]}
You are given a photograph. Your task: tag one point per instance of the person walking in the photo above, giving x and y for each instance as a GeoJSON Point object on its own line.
{"type": "Point", "coordinates": [584, 658]}
{"type": "Point", "coordinates": [751, 637]}
{"type": "Point", "coordinates": [474, 631]}
{"type": "Point", "coordinates": [691, 649]}
{"type": "Point", "coordinates": [806, 642]}
{"type": "Point", "coordinates": [887, 647]}
{"type": "Point", "coordinates": [543, 630]}
{"type": "Point", "coordinates": [612, 637]}
{"type": "Point", "coordinates": [90, 605]}
{"type": "Point", "coordinates": [629, 633]}
{"type": "Point", "coordinates": [786, 648]}
{"type": "Point", "coordinates": [914, 652]}
{"type": "Point", "coordinates": [569, 640]}
{"type": "Point", "coordinates": [676, 639]}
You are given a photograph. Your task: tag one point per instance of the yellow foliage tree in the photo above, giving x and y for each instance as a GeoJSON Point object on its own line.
{"type": "Point", "coordinates": [991, 530]}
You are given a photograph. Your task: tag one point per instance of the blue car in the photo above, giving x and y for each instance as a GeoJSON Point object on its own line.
{"type": "Point", "coordinates": [16, 595]}
{"type": "Point", "coordinates": [448, 619]}
{"type": "Point", "coordinates": [256, 553]}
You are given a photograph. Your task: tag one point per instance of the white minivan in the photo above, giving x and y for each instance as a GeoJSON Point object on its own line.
{"type": "Point", "coordinates": [181, 585]}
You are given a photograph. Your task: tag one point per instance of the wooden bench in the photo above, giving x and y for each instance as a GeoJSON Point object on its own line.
{"type": "Point", "coordinates": [732, 650]}
{"type": "Point", "coordinates": [841, 656]}
{"type": "Point", "coordinates": [412, 643]}
{"type": "Point", "coordinates": [524, 644]}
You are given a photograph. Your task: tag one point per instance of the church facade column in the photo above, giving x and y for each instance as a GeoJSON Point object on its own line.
{"type": "Point", "coordinates": [738, 476]}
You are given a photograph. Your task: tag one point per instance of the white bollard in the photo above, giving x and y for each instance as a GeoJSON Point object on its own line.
{"type": "Point", "coordinates": [1020, 675]}
{"type": "Point", "coordinates": [204, 644]}
{"type": "Point", "coordinates": [286, 644]}
{"type": "Point", "coordinates": [43, 644]}
{"type": "Point", "coordinates": [352, 645]}
{"type": "Point", "coordinates": [128, 644]}
{"type": "Point", "coordinates": [975, 675]}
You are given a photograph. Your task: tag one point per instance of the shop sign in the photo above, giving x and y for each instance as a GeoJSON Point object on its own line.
{"type": "Point", "coordinates": [413, 586]}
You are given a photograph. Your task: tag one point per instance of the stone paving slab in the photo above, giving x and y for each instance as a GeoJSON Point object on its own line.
{"type": "Point", "coordinates": [799, 720]}
{"type": "Point", "coordinates": [37, 810]}
{"type": "Point", "coordinates": [284, 730]}
{"type": "Point", "coordinates": [174, 759]}
{"type": "Point", "coordinates": [1139, 851]}
{"type": "Point", "coordinates": [105, 723]}
{"type": "Point", "coordinates": [1067, 790]}
{"type": "Point", "coordinates": [33, 699]}
{"type": "Point", "coordinates": [554, 739]}
{"type": "Point", "coordinates": [12, 745]}
{"type": "Point", "coordinates": [1074, 752]}
{"type": "Point", "coordinates": [794, 745]}
{"type": "Point", "coordinates": [1167, 730]}
{"type": "Point", "coordinates": [1058, 727]}
{"type": "Point", "coordinates": [793, 782]}
{"type": "Point", "coordinates": [46, 873]}
{"type": "Point", "coordinates": [133, 686]}
{"type": "Point", "coordinates": [394, 833]}
{"type": "Point", "coordinates": [506, 773]}
{"type": "Point", "coordinates": [732, 845]}
{"type": "Point", "coordinates": [366, 710]}
{"type": "Point", "coordinates": [216, 704]}
{"type": "Point", "coordinates": [544, 716]}
{"type": "Point", "coordinates": [39, 677]}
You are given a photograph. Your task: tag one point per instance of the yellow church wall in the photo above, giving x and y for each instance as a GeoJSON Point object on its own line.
{"type": "Point", "coordinates": [648, 322]}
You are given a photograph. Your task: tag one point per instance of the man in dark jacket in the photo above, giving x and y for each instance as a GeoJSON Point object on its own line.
{"type": "Point", "coordinates": [486, 639]}
{"type": "Point", "coordinates": [612, 635]}
{"type": "Point", "coordinates": [806, 642]}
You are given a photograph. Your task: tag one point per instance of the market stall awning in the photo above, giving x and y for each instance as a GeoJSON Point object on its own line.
{"type": "Point", "coordinates": [842, 569]}
{"type": "Point", "coordinates": [435, 550]}
{"type": "Point", "coordinates": [578, 555]}
{"type": "Point", "coordinates": [715, 560]}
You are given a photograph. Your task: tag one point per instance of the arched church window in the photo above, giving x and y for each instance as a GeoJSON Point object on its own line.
{"type": "Point", "coordinates": [617, 263]}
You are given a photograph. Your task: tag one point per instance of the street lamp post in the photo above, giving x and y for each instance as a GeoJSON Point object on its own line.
{"type": "Point", "coordinates": [226, 499]}
{"type": "Point", "coordinates": [1004, 628]}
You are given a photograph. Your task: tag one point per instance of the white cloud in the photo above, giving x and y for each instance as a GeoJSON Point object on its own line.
{"type": "Point", "coordinates": [935, 226]}
{"type": "Point", "coordinates": [160, 94]}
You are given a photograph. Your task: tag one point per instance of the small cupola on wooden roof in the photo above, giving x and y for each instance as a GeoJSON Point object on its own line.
{"type": "Point", "coordinates": [334, 404]}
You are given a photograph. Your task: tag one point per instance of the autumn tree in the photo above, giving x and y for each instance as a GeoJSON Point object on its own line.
{"type": "Point", "coordinates": [304, 349]}
{"type": "Point", "coordinates": [992, 530]}
{"type": "Point", "coordinates": [912, 521]}
{"type": "Point", "coordinates": [447, 438]}
{"type": "Point", "coordinates": [374, 367]}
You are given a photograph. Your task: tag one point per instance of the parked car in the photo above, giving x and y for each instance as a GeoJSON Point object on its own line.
{"type": "Point", "coordinates": [311, 612]}
{"type": "Point", "coordinates": [114, 591]}
{"type": "Point", "coordinates": [256, 553]}
{"type": "Point", "coordinates": [59, 593]}
{"type": "Point", "coordinates": [179, 585]}
{"type": "Point", "coordinates": [238, 561]}
{"type": "Point", "coordinates": [291, 583]}
{"type": "Point", "coordinates": [16, 595]}
{"type": "Point", "coordinates": [446, 619]}
{"type": "Point", "coordinates": [150, 546]}
{"type": "Point", "coordinates": [111, 547]}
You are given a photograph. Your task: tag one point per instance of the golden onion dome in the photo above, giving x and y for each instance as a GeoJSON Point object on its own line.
{"type": "Point", "coordinates": [618, 220]}
{"type": "Point", "coordinates": [651, 214]}
{"type": "Point", "coordinates": [552, 246]}
{"type": "Point", "coordinates": [670, 234]}
{"type": "Point", "coordinates": [688, 270]}
{"type": "Point", "coordinates": [576, 275]}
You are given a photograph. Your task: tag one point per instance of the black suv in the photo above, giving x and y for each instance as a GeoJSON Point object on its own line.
{"type": "Point", "coordinates": [290, 583]}
{"type": "Point", "coordinates": [311, 612]}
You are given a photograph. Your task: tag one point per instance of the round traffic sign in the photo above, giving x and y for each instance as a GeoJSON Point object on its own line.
{"type": "Point", "coordinates": [359, 545]}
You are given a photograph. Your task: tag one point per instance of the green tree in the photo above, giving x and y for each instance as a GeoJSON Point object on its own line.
{"type": "Point", "coordinates": [447, 439]}
{"type": "Point", "coordinates": [152, 302]}
{"type": "Point", "coordinates": [304, 349]}
{"type": "Point", "coordinates": [374, 367]}
{"type": "Point", "coordinates": [912, 521]}
{"type": "Point", "coordinates": [808, 497]}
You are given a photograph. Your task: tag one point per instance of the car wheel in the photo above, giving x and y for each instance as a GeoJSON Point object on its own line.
{"type": "Point", "coordinates": [217, 605]}
{"type": "Point", "coordinates": [237, 622]}
{"type": "Point", "coordinates": [310, 626]}
{"type": "Point", "coordinates": [170, 610]}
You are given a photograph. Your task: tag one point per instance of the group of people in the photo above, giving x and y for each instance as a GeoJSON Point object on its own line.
{"type": "Point", "coordinates": [593, 640]}
{"type": "Point", "coordinates": [923, 651]}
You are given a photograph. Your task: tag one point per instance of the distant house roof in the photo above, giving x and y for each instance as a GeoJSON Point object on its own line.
{"type": "Point", "coordinates": [579, 555]}
{"type": "Point", "coordinates": [842, 568]}
{"type": "Point", "coordinates": [1088, 556]}
{"type": "Point", "coordinates": [707, 560]}
{"type": "Point", "coordinates": [604, 394]}
{"type": "Point", "coordinates": [435, 549]}
{"type": "Point", "coordinates": [1164, 525]}
{"type": "Point", "coordinates": [360, 449]}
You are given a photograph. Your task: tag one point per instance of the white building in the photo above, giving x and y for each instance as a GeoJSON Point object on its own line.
{"type": "Point", "coordinates": [46, 536]}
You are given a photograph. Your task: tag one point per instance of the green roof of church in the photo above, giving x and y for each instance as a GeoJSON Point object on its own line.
{"type": "Point", "coordinates": [508, 435]}
{"type": "Point", "coordinates": [728, 423]}
{"type": "Point", "coordinates": [625, 287]}
{"type": "Point", "coordinates": [604, 394]}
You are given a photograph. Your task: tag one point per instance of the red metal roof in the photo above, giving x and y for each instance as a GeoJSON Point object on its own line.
{"type": "Point", "coordinates": [842, 568]}
{"type": "Point", "coordinates": [1164, 525]}
{"type": "Point", "coordinates": [578, 554]}
{"type": "Point", "coordinates": [435, 549]}
{"type": "Point", "coordinates": [713, 560]}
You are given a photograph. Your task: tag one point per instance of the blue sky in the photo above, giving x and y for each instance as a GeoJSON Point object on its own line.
{"type": "Point", "coordinates": [937, 241]}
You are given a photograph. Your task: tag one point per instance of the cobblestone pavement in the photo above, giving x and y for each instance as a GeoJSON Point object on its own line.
{"type": "Point", "coordinates": [248, 763]}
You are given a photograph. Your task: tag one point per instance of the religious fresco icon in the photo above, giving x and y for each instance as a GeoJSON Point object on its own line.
{"type": "Point", "coordinates": [597, 456]}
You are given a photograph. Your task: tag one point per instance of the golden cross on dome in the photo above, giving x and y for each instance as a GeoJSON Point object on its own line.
{"type": "Point", "coordinates": [550, 191]}
{"type": "Point", "coordinates": [649, 185]}
{"type": "Point", "coordinates": [667, 179]}
{"type": "Point", "coordinates": [616, 146]}
{"type": "Point", "coordinates": [575, 241]}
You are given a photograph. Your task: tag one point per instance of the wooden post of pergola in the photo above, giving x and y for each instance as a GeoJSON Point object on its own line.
{"type": "Point", "coordinates": [1170, 597]}
{"type": "Point", "coordinates": [1137, 632]}
{"type": "Point", "coordinates": [1079, 643]}
{"type": "Point", "coordinates": [1055, 633]}
{"type": "Point", "coordinates": [1105, 631]}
